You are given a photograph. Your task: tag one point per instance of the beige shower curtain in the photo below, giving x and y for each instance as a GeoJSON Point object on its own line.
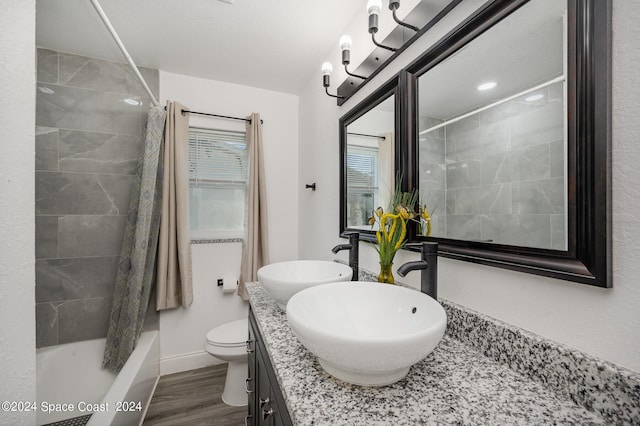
{"type": "Point", "coordinates": [174, 287]}
{"type": "Point", "coordinates": [255, 252]}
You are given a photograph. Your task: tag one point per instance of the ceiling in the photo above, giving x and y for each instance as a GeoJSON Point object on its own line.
{"type": "Point", "coordinates": [520, 52]}
{"type": "Point", "coordinates": [270, 44]}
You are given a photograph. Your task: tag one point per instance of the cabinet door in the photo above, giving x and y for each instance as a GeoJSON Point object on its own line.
{"type": "Point", "coordinates": [277, 419]}
{"type": "Point", "coordinates": [268, 404]}
{"type": "Point", "coordinates": [265, 402]}
{"type": "Point", "coordinates": [250, 383]}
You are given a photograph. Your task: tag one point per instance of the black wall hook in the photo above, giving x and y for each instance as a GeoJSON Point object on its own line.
{"type": "Point", "coordinates": [312, 186]}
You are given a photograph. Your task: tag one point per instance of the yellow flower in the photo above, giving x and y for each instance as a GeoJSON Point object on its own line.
{"type": "Point", "coordinates": [383, 224]}
{"type": "Point", "coordinates": [393, 227]}
{"type": "Point", "coordinates": [402, 235]}
{"type": "Point", "coordinates": [403, 212]}
{"type": "Point", "coordinates": [424, 213]}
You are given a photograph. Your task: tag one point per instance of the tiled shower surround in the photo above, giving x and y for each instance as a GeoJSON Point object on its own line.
{"type": "Point", "coordinates": [499, 175]}
{"type": "Point", "coordinates": [90, 119]}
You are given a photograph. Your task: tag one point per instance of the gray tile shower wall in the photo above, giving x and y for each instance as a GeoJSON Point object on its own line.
{"type": "Point", "coordinates": [502, 173]}
{"type": "Point", "coordinates": [90, 119]}
{"type": "Point", "coordinates": [433, 180]}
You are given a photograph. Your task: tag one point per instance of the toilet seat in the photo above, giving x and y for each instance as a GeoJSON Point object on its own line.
{"type": "Point", "coordinates": [230, 335]}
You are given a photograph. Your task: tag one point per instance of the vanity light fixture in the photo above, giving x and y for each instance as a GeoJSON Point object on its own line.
{"type": "Point", "coordinates": [487, 86]}
{"type": "Point", "coordinates": [327, 69]}
{"type": "Point", "coordinates": [373, 8]}
{"type": "Point", "coordinates": [345, 45]}
{"type": "Point", "coordinates": [395, 5]}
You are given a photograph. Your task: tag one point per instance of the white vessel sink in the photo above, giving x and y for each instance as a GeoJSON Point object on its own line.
{"type": "Point", "coordinates": [366, 333]}
{"type": "Point", "coordinates": [284, 279]}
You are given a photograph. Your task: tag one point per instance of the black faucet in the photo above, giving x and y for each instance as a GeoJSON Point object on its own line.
{"type": "Point", "coordinates": [429, 266]}
{"type": "Point", "coordinates": [354, 239]}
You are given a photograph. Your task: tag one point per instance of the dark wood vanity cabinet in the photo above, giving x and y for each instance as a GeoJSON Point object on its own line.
{"type": "Point", "coordinates": [266, 403]}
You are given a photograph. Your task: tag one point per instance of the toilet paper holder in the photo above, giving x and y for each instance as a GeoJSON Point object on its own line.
{"type": "Point", "coordinates": [229, 283]}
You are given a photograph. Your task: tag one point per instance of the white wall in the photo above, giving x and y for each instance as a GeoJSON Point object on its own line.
{"type": "Point", "coordinates": [602, 322]}
{"type": "Point", "coordinates": [17, 208]}
{"type": "Point", "coordinates": [279, 111]}
{"type": "Point", "coordinates": [183, 331]}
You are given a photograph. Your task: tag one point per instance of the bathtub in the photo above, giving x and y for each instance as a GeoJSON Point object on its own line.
{"type": "Point", "coordinates": [70, 382]}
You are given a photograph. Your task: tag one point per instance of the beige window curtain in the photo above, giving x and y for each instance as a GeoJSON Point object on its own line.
{"type": "Point", "coordinates": [174, 286]}
{"type": "Point", "coordinates": [255, 253]}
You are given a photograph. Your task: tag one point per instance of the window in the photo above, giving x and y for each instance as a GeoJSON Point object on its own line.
{"type": "Point", "coordinates": [362, 176]}
{"type": "Point", "coordinates": [217, 183]}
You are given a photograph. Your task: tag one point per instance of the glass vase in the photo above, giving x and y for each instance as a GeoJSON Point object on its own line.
{"type": "Point", "coordinates": [386, 274]}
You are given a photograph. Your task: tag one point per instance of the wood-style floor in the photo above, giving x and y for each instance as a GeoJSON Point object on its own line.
{"type": "Point", "coordinates": [193, 398]}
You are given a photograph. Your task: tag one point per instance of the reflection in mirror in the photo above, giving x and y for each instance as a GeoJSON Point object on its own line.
{"type": "Point", "coordinates": [493, 162]}
{"type": "Point", "coordinates": [370, 163]}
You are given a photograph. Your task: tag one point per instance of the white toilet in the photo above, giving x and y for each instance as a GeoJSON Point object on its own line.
{"type": "Point", "coordinates": [228, 343]}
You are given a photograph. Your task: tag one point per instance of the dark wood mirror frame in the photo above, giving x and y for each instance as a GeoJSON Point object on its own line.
{"type": "Point", "coordinates": [588, 258]}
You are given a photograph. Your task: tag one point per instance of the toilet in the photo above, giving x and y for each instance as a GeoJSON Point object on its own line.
{"type": "Point", "coordinates": [228, 343]}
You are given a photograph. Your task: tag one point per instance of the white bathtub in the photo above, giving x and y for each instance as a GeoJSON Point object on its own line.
{"type": "Point", "coordinates": [70, 382]}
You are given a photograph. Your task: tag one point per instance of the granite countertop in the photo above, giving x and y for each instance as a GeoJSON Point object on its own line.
{"type": "Point", "coordinates": [456, 384]}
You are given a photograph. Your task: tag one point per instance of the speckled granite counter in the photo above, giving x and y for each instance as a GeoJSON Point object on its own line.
{"type": "Point", "coordinates": [461, 382]}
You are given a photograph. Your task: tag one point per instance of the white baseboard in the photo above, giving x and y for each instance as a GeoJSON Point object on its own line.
{"type": "Point", "coordinates": [187, 361]}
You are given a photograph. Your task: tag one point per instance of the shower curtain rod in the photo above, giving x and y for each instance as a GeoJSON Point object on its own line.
{"type": "Point", "coordinates": [494, 104]}
{"type": "Point", "coordinates": [186, 111]}
{"type": "Point", "coordinates": [123, 49]}
{"type": "Point", "coordinates": [367, 136]}
{"type": "Point", "coordinates": [136, 71]}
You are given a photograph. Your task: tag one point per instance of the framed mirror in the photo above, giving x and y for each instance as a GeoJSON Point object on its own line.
{"type": "Point", "coordinates": [492, 147]}
{"type": "Point", "coordinates": [370, 154]}
{"type": "Point", "coordinates": [511, 138]}
{"type": "Point", "coordinates": [370, 158]}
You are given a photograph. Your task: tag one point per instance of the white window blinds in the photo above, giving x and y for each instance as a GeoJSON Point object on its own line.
{"type": "Point", "coordinates": [217, 157]}
{"type": "Point", "coordinates": [218, 183]}
{"type": "Point", "coordinates": [362, 169]}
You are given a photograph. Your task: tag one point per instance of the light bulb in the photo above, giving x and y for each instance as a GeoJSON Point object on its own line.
{"type": "Point", "coordinates": [374, 7]}
{"type": "Point", "coordinates": [327, 68]}
{"type": "Point", "coordinates": [345, 42]}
